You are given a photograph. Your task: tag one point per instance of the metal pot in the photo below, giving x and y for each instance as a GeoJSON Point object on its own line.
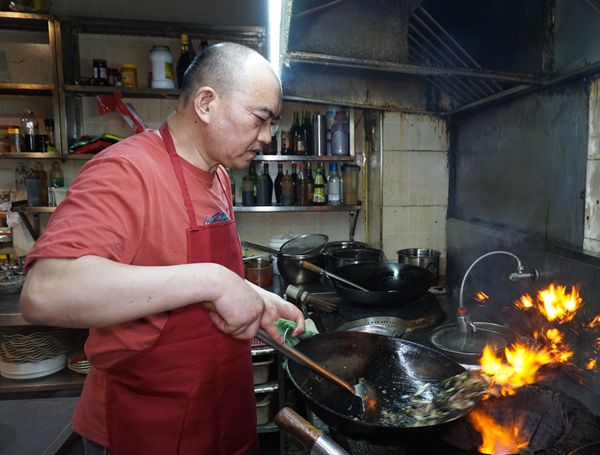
{"type": "Point", "coordinates": [259, 271]}
{"type": "Point", "coordinates": [350, 256]}
{"type": "Point", "coordinates": [291, 270]}
{"type": "Point", "coordinates": [342, 244]}
{"type": "Point", "coordinates": [421, 257]}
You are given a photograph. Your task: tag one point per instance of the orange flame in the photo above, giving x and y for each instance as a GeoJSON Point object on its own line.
{"type": "Point", "coordinates": [554, 341]}
{"type": "Point", "coordinates": [591, 365]}
{"type": "Point", "coordinates": [558, 305]}
{"type": "Point", "coordinates": [594, 322]}
{"type": "Point", "coordinates": [521, 368]}
{"type": "Point", "coordinates": [497, 439]}
{"type": "Point", "coordinates": [481, 296]}
{"type": "Point", "coordinates": [525, 302]}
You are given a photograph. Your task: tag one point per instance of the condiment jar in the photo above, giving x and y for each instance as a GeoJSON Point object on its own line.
{"type": "Point", "coordinates": [100, 71]}
{"type": "Point", "coordinates": [9, 139]}
{"type": "Point", "coordinates": [129, 75]}
{"type": "Point", "coordinates": [162, 67]}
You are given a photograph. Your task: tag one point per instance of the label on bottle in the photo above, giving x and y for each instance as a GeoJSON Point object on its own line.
{"type": "Point", "coordinates": [169, 70]}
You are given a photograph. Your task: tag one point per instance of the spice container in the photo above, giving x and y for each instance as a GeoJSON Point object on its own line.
{"type": "Point", "coordinates": [162, 67]}
{"type": "Point", "coordinates": [129, 75]}
{"type": "Point", "coordinates": [100, 72]}
{"type": "Point", "coordinates": [9, 139]}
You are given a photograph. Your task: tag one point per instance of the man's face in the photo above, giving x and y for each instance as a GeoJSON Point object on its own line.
{"type": "Point", "coordinates": [244, 121]}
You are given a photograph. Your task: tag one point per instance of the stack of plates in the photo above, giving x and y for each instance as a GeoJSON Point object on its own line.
{"type": "Point", "coordinates": [33, 355]}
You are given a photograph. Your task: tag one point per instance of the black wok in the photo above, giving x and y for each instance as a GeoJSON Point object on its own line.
{"type": "Point", "coordinates": [391, 366]}
{"type": "Point", "coordinates": [389, 283]}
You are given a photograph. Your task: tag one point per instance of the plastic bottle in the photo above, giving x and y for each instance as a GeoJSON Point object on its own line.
{"type": "Point", "coordinates": [162, 67]}
{"type": "Point", "coordinates": [334, 186]}
{"type": "Point", "coordinates": [29, 128]}
{"type": "Point", "coordinates": [339, 135]}
{"type": "Point", "coordinates": [57, 178]}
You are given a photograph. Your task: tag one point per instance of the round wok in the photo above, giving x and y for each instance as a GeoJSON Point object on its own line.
{"type": "Point", "coordinates": [394, 368]}
{"type": "Point", "coordinates": [406, 283]}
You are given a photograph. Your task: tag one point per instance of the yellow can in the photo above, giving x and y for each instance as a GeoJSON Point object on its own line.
{"type": "Point", "coordinates": [128, 75]}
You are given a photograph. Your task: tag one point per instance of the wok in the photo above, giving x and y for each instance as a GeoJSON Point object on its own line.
{"type": "Point", "coordinates": [394, 368]}
{"type": "Point", "coordinates": [389, 283]}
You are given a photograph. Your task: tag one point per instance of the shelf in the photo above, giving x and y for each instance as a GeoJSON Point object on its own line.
{"type": "Point", "coordinates": [80, 156]}
{"type": "Point", "coordinates": [301, 158]}
{"type": "Point", "coordinates": [137, 92]}
{"type": "Point", "coordinates": [34, 210]}
{"type": "Point", "coordinates": [27, 21]}
{"type": "Point", "coordinates": [30, 156]}
{"type": "Point", "coordinates": [267, 387]}
{"type": "Point", "coordinates": [26, 89]}
{"type": "Point", "coordinates": [295, 208]}
{"type": "Point", "coordinates": [64, 379]}
{"type": "Point", "coordinates": [268, 427]}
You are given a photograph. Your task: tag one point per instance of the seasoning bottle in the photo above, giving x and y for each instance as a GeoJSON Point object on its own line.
{"type": "Point", "coordinates": [339, 135]}
{"type": "Point", "coordinates": [162, 67]}
{"type": "Point", "coordinates": [248, 187]}
{"type": "Point", "coordinates": [302, 187]}
{"type": "Point", "coordinates": [49, 125]}
{"type": "Point", "coordinates": [334, 186]}
{"type": "Point", "coordinates": [277, 184]}
{"type": "Point", "coordinates": [100, 72]}
{"type": "Point", "coordinates": [310, 184]}
{"type": "Point", "coordinates": [294, 176]}
{"type": "Point", "coordinates": [185, 59]}
{"type": "Point", "coordinates": [307, 129]}
{"type": "Point", "coordinates": [319, 188]}
{"type": "Point", "coordinates": [129, 75]}
{"type": "Point", "coordinates": [264, 187]}
{"type": "Point", "coordinates": [287, 190]}
{"type": "Point", "coordinates": [57, 178]}
{"type": "Point", "coordinates": [299, 136]}
{"type": "Point", "coordinates": [287, 143]}
{"type": "Point", "coordinates": [29, 127]}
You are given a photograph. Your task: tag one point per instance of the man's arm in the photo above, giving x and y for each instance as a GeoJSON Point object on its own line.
{"type": "Point", "coordinates": [96, 292]}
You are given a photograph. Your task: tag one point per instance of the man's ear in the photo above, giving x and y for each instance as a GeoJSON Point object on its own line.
{"type": "Point", "coordinates": [204, 101]}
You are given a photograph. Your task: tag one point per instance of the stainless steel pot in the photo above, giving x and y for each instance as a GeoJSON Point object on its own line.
{"type": "Point", "coordinates": [350, 256]}
{"type": "Point", "coordinates": [342, 244]}
{"type": "Point", "coordinates": [421, 257]}
{"type": "Point", "coordinates": [291, 270]}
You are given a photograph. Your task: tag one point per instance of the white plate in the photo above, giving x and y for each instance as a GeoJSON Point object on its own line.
{"type": "Point", "coordinates": [31, 370]}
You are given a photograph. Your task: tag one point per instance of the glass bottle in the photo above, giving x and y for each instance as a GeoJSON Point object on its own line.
{"type": "Point", "coordinates": [299, 136]}
{"type": "Point", "coordinates": [325, 181]}
{"type": "Point", "coordinates": [339, 135]}
{"type": "Point", "coordinates": [49, 125]}
{"type": "Point", "coordinates": [301, 187]}
{"type": "Point", "coordinates": [307, 129]}
{"type": "Point", "coordinates": [29, 128]}
{"type": "Point", "coordinates": [185, 59]}
{"type": "Point", "coordinates": [264, 187]}
{"type": "Point", "coordinates": [248, 188]}
{"type": "Point", "coordinates": [334, 186]}
{"type": "Point", "coordinates": [319, 188]}
{"type": "Point", "coordinates": [294, 176]}
{"type": "Point", "coordinates": [277, 184]}
{"type": "Point", "coordinates": [287, 190]}
{"type": "Point", "coordinates": [21, 173]}
{"type": "Point", "coordinates": [287, 143]}
{"type": "Point", "coordinates": [57, 178]}
{"type": "Point", "coordinates": [310, 184]}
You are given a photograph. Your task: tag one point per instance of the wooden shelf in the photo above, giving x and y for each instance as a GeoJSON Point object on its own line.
{"type": "Point", "coordinates": [26, 89]}
{"type": "Point", "coordinates": [35, 210]}
{"type": "Point", "coordinates": [30, 156]}
{"type": "Point", "coordinates": [138, 92]}
{"type": "Point", "coordinates": [64, 379]}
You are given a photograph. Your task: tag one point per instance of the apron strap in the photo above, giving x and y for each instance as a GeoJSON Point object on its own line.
{"type": "Point", "coordinates": [187, 200]}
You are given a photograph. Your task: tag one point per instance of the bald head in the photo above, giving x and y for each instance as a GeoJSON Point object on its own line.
{"type": "Point", "coordinates": [225, 67]}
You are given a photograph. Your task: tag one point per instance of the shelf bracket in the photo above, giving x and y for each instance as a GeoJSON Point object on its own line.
{"type": "Point", "coordinates": [32, 231]}
{"type": "Point", "coordinates": [353, 221]}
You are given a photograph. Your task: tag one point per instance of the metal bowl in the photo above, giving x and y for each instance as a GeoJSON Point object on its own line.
{"type": "Point", "coordinates": [380, 325]}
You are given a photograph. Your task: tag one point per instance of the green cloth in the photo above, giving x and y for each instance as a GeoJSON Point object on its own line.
{"type": "Point", "coordinates": [282, 324]}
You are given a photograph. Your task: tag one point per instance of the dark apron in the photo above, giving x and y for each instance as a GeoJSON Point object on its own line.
{"type": "Point", "coordinates": [191, 392]}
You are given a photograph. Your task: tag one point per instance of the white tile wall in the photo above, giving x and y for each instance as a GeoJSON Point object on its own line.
{"type": "Point", "coordinates": [415, 183]}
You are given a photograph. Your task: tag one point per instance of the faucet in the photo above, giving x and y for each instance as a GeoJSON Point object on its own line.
{"type": "Point", "coordinates": [462, 319]}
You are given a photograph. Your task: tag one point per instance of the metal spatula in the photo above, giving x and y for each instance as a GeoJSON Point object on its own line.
{"type": "Point", "coordinates": [362, 389]}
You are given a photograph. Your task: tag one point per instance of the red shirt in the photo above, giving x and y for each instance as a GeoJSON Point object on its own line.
{"type": "Point", "coordinates": [125, 205]}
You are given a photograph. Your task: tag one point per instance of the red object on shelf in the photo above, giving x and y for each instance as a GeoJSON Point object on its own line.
{"type": "Point", "coordinates": [108, 104]}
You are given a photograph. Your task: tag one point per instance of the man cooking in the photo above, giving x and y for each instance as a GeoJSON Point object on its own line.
{"type": "Point", "coordinates": [145, 235]}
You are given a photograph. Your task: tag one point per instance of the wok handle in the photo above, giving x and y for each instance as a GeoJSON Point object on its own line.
{"type": "Point", "coordinates": [262, 248]}
{"type": "Point", "coordinates": [307, 434]}
{"type": "Point", "coordinates": [303, 360]}
{"type": "Point", "coordinates": [315, 268]}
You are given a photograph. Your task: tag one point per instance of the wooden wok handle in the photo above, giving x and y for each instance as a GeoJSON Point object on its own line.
{"type": "Point", "coordinates": [289, 420]}
{"type": "Point", "coordinates": [312, 267]}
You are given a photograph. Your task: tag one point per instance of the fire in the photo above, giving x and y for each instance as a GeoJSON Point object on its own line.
{"type": "Point", "coordinates": [591, 365]}
{"type": "Point", "coordinates": [525, 302]}
{"type": "Point", "coordinates": [554, 340]}
{"type": "Point", "coordinates": [481, 296]}
{"type": "Point", "coordinates": [497, 440]}
{"type": "Point", "coordinates": [521, 367]}
{"type": "Point", "coordinates": [594, 322]}
{"type": "Point", "coordinates": [557, 305]}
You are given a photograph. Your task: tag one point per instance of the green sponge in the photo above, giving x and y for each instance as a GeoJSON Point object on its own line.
{"type": "Point", "coordinates": [285, 324]}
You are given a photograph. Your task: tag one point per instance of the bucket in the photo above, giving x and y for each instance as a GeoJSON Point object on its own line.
{"type": "Point", "coordinates": [421, 257]}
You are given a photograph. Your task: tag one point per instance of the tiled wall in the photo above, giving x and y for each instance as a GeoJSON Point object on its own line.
{"type": "Point", "coordinates": [415, 183]}
{"type": "Point", "coordinates": [591, 239]}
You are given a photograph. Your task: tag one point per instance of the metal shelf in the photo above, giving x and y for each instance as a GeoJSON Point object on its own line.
{"type": "Point", "coordinates": [64, 379]}
{"type": "Point", "coordinates": [267, 387]}
{"type": "Point", "coordinates": [30, 156]}
{"type": "Point", "coordinates": [295, 208]}
{"type": "Point", "coordinates": [127, 92]}
{"type": "Point", "coordinates": [26, 89]}
{"type": "Point", "coordinates": [302, 158]}
{"type": "Point", "coordinates": [268, 427]}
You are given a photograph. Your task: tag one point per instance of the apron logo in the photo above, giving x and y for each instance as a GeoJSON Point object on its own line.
{"type": "Point", "coordinates": [219, 217]}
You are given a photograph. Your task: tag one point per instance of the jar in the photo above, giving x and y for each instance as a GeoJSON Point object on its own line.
{"type": "Point", "coordinates": [162, 67]}
{"type": "Point", "coordinates": [114, 77]}
{"type": "Point", "coordinates": [9, 139]}
{"type": "Point", "coordinates": [100, 72]}
{"type": "Point", "coordinates": [129, 75]}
